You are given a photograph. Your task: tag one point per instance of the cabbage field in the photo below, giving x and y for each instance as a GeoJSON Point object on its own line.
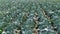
{"type": "Point", "coordinates": [29, 16]}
